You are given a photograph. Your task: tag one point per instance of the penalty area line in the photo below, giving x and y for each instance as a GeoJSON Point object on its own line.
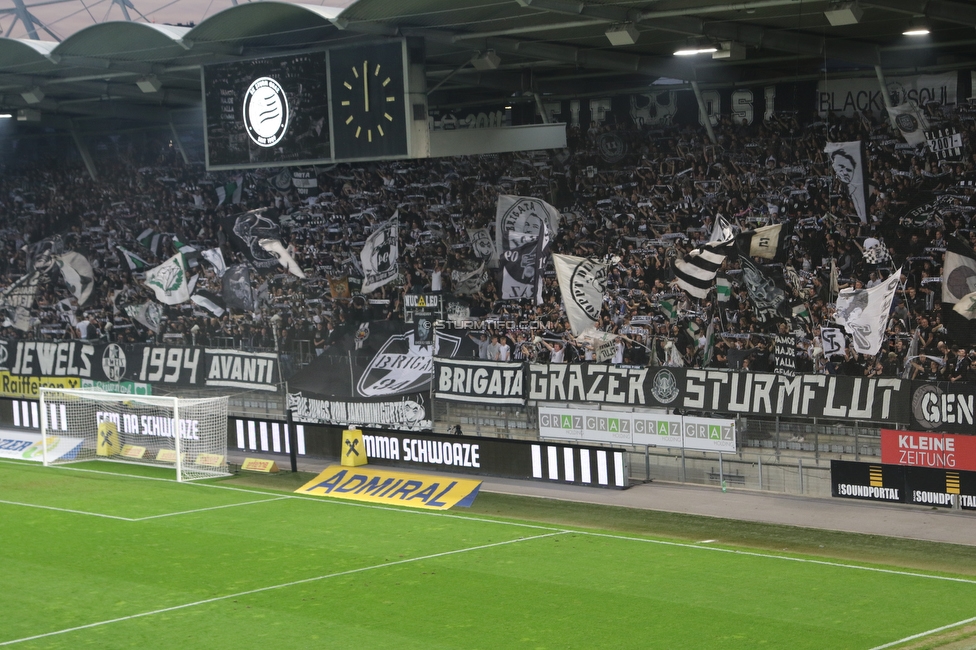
{"type": "Point", "coordinates": [925, 634]}
{"type": "Point", "coordinates": [284, 585]}
{"type": "Point", "coordinates": [74, 512]}
{"type": "Point", "coordinates": [226, 505]}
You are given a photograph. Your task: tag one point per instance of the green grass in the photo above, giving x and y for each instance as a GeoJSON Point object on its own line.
{"type": "Point", "coordinates": [202, 566]}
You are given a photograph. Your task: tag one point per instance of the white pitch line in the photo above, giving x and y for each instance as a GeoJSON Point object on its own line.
{"type": "Point", "coordinates": [226, 505]}
{"type": "Point", "coordinates": [76, 512]}
{"type": "Point", "coordinates": [732, 551]}
{"type": "Point", "coordinates": [438, 513]}
{"type": "Point", "coordinates": [924, 634]}
{"type": "Point", "coordinates": [249, 592]}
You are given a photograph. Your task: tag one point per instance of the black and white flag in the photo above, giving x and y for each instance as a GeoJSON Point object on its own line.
{"type": "Point", "coordinates": [78, 275]}
{"type": "Point", "coordinates": [768, 300]}
{"type": "Point", "coordinates": [17, 300]}
{"type": "Point", "coordinates": [768, 243]}
{"type": "Point", "coordinates": [380, 255]}
{"type": "Point", "coordinates": [42, 255]}
{"type": "Point", "coordinates": [483, 247]}
{"type": "Point", "coordinates": [236, 288]}
{"type": "Point", "coordinates": [696, 272]}
{"type": "Point", "coordinates": [466, 284]}
{"type": "Point", "coordinates": [209, 301]}
{"type": "Point", "coordinates": [147, 314]}
{"type": "Point", "coordinates": [216, 259]}
{"type": "Point", "coordinates": [833, 341]}
{"type": "Point", "coordinates": [524, 215]}
{"type": "Point", "coordinates": [276, 248]}
{"type": "Point", "coordinates": [958, 270]}
{"type": "Point", "coordinates": [246, 231]}
{"type": "Point", "coordinates": [864, 313]}
{"type": "Point", "coordinates": [848, 162]}
{"type": "Point", "coordinates": [522, 264]}
{"type": "Point", "coordinates": [582, 283]}
{"type": "Point", "coordinates": [911, 121]}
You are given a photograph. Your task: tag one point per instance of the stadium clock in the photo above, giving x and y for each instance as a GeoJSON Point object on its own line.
{"type": "Point", "coordinates": [369, 118]}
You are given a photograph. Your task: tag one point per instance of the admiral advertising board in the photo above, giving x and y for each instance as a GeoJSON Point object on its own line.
{"type": "Point", "coordinates": [925, 486]}
{"type": "Point", "coordinates": [377, 375]}
{"type": "Point", "coordinates": [130, 368]}
{"type": "Point", "coordinates": [722, 391]}
{"type": "Point", "coordinates": [642, 428]}
{"type": "Point", "coordinates": [478, 381]}
{"type": "Point", "coordinates": [549, 460]}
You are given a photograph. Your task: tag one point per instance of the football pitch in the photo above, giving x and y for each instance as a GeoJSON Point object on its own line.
{"type": "Point", "coordinates": [99, 555]}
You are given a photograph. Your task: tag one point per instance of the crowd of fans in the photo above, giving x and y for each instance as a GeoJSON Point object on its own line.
{"type": "Point", "coordinates": [639, 213]}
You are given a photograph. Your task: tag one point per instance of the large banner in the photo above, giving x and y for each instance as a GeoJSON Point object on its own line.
{"type": "Point", "coordinates": [377, 375]}
{"type": "Point", "coordinates": [849, 96]}
{"type": "Point", "coordinates": [479, 381]}
{"type": "Point", "coordinates": [723, 391]}
{"type": "Point", "coordinates": [110, 363]}
{"type": "Point", "coordinates": [645, 428]}
{"type": "Point", "coordinates": [926, 486]}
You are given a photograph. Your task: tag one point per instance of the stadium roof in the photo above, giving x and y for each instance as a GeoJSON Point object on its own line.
{"type": "Point", "coordinates": [557, 48]}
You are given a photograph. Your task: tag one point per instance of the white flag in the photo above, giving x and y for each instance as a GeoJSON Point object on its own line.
{"type": "Point", "coordinates": [911, 121]}
{"type": "Point", "coordinates": [864, 313]}
{"type": "Point", "coordinates": [380, 255]}
{"type": "Point", "coordinates": [169, 281]}
{"type": "Point", "coordinates": [582, 282]}
{"type": "Point", "coordinates": [216, 259]}
{"type": "Point", "coordinates": [147, 314]}
{"type": "Point", "coordinates": [78, 275]}
{"type": "Point", "coordinates": [276, 248]}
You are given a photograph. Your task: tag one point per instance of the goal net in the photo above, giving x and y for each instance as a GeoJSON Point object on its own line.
{"type": "Point", "coordinates": [189, 435]}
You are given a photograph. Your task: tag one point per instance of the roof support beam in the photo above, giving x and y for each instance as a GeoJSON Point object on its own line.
{"type": "Point", "coordinates": [683, 22]}
{"type": "Point", "coordinates": [951, 12]}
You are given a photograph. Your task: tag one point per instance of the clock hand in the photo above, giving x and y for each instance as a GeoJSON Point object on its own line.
{"type": "Point", "coordinates": [365, 87]}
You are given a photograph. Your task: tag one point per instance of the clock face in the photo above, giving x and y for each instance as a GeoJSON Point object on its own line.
{"type": "Point", "coordinates": [368, 112]}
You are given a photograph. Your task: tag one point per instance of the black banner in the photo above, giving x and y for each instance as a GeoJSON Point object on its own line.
{"type": "Point", "coordinates": [158, 365]}
{"type": "Point", "coordinates": [485, 382]}
{"type": "Point", "coordinates": [870, 481]}
{"type": "Point", "coordinates": [376, 375]}
{"type": "Point", "coordinates": [945, 407]}
{"type": "Point", "coordinates": [723, 391]}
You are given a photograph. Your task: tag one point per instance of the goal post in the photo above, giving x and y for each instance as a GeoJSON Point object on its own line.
{"type": "Point", "coordinates": [187, 434]}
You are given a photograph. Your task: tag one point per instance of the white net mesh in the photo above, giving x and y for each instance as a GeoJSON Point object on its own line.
{"type": "Point", "coordinates": [136, 429]}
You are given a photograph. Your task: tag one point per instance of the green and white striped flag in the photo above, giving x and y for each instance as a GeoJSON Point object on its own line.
{"type": "Point", "coordinates": [231, 190]}
{"type": "Point", "coordinates": [693, 330]}
{"type": "Point", "coordinates": [150, 239]}
{"type": "Point", "coordinates": [135, 262]}
{"type": "Point", "coordinates": [723, 288]}
{"type": "Point", "coordinates": [668, 309]}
